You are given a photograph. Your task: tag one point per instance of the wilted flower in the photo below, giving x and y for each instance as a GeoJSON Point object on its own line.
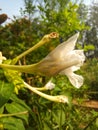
{"type": "Point", "coordinates": [2, 57]}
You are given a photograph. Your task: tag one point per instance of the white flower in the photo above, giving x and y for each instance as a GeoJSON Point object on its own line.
{"type": "Point", "coordinates": [75, 79]}
{"type": "Point", "coordinates": [2, 57]}
{"type": "Point", "coordinates": [64, 60]}
{"type": "Point", "coordinates": [50, 85]}
{"type": "Point", "coordinates": [74, 55]}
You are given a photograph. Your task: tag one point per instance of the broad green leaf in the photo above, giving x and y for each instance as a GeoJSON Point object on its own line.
{"type": "Point", "coordinates": [22, 103]}
{"type": "Point", "coordinates": [14, 98]}
{"type": "Point", "coordinates": [6, 89]}
{"type": "Point", "coordinates": [17, 108]}
{"type": "Point", "coordinates": [59, 117]}
{"type": "Point", "coordinates": [12, 123]}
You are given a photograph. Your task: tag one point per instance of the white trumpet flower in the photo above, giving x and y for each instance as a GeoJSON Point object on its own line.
{"type": "Point", "coordinates": [76, 80]}
{"type": "Point", "coordinates": [63, 60]}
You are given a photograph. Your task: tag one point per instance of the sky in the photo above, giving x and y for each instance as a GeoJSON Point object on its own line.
{"type": "Point", "coordinates": [12, 7]}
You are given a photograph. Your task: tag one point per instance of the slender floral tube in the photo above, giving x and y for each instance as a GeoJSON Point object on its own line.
{"type": "Point", "coordinates": [59, 98]}
{"type": "Point", "coordinates": [48, 86]}
{"type": "Point", "coordinates": [47, 38]}
{"type": "Point", "coordinates": [43, 68]}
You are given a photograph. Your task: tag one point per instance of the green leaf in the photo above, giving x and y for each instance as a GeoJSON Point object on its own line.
{"type": "Point", "coordinates": [46, 126]}
{"type": "Point", "coordinates": [17, 108]}
{"type": "Point", "coordinates": [59, 117]}
{"type": "Point", "coordinates": [97, 122]}
{"type": "Point", "coordinates": [22, 103]}
{"type": "Point", "coordinates": [11, 123]}
{"type": "Point", "coordinates": [1, 110]}
{"type": "Point", "coordinates": [6, 89]}
{"type": "Point", "coordinates": [30, 128]}
{"type": "Point", "coordinates": [14, 98]}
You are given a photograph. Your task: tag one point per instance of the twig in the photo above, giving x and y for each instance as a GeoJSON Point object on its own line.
{"type": "Point", "coordinates": [90, 104]}
{"type": "Point", "coordinates": [14, 114]}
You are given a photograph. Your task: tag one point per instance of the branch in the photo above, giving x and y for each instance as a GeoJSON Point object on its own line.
{"type": "Point", "coordinates": [91, 104]}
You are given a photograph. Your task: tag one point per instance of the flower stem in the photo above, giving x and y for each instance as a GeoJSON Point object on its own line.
{"type": "Point", "coordinates": [47, 38]}
{"type": "Point", "coordinates": [14, 114]}
{"type": "Point", "coordinates": [60, 98]}
{"type": "Point", "coordinates": [40, 89]}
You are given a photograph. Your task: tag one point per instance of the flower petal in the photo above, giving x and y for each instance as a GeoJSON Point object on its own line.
{"type": "Point", "coordinates": [81, 55]}
{"type": "Point", "coordinates": [76, 55]}
{"type": "Point", "coordinates": [76, 80]}
{"type": "Point", "coordinates": [61, 50]}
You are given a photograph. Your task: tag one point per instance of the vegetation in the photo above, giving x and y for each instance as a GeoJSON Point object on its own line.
{"type": "Point", "coordinates": [22, 109]}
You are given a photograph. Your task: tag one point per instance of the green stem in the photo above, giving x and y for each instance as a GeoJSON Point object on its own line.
{"type": "Point", "coordinates": [14, 114]}
{"type": "Point", "coordinates": [47, 38]}
{"type": "Point", "coordinates": [40, 89]}
{"type": "Point", "coordinates": [60, 123]}
{"type": "Point", "coordinates": [23, 68]}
